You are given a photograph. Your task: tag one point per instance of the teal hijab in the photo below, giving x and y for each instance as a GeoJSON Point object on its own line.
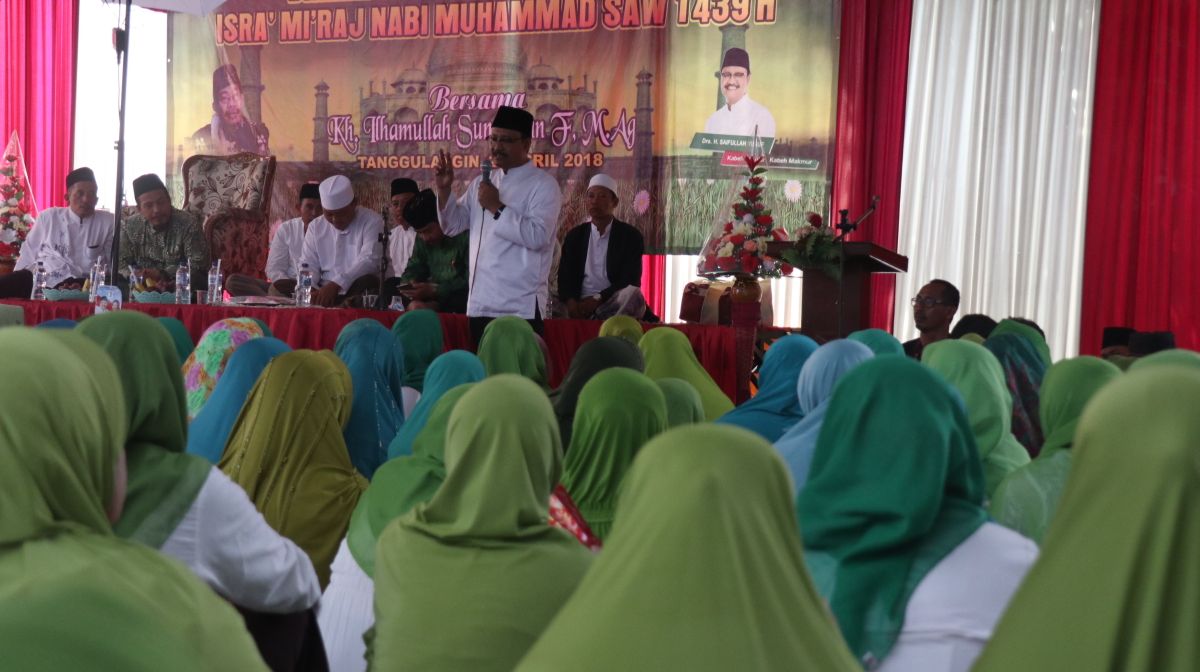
{"type": "Point", "coordinates": [449, 370]}
{"type": "Point", "coordinates": [163, 480]}
{"type": "Point", "coordinates": [406, 481]}
{"type": "Point", "coordinates": [210, 430]}
{"type": "Point", "coordinates": [420, 333]}
{"type": "Point", "coordinates": [879, 341]}
{"type": "Point", "coordinates": [376, 363]}
{"type": "Point", "coordinates": [684, 406]}
{"type": "Point", "coordinates": [775, 408]}
{"type": "Point", "coordinates": [895, 486]}
{"type": "Point", "coordinates": [181, 338]}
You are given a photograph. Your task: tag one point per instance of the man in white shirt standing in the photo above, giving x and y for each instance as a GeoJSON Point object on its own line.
{"type": "Point", "coordinates": [283, 260]}
{"type": "Point", "coordinates": [66, 240]}
{"type": "Point", "coordinates": [402, 236]}
{"type": "Point", "coordinates": [739, 115]}
{"type": "Point", "coordinates": [512, 217]}
{"type": "Point", "coordinates": [342, 246]}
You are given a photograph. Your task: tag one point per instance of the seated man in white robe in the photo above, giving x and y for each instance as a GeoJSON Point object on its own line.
{"type": "Point", "coordinates": [67, 241]}
{"type": "Point", "coordinates": [283, 260]}
{"type": "Point", "coordinates": [342, 247]}
{"type": "Point", "coordinates": [402, 236]}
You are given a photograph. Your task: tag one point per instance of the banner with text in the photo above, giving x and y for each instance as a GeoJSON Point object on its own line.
{"type": "Point", "coordinates": [662, 95]}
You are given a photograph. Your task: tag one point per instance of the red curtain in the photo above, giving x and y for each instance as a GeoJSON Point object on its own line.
{"type": "Point", "coordinates": [1142, 247]}
{"type": "Point", "coordinates": [872, 85]}
{"type": "Point", "coordinates": [37, 49]}
{"type": "Point", "coordinates": [654, 271]}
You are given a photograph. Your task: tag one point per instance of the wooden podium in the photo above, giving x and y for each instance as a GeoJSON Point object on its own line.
{"type": "Point", "coordinates": [820, 311]}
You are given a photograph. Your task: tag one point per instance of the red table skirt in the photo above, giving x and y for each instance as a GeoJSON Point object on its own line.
{"type": "Point", "coordinates": [318, 328]}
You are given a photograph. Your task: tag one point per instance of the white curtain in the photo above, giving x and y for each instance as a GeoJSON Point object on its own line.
{"type": "Point", "coordinates": [96, 97]}
{"type": "Point", "coordinates": [996, 154]}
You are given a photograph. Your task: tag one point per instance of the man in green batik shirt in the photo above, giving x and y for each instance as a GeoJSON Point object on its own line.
{"type": "Point", "coordinates": [159, 236]}
{"type": "Point", "coordinates": [439, 265]}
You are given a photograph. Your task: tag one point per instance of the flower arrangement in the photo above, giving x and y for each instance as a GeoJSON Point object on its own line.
{"type": "Point", "coordinates": [816, 247]}
{"type": "Point", "coordinates": [741, 247]}
{"type": "Point", "coordinates": [15, 216]}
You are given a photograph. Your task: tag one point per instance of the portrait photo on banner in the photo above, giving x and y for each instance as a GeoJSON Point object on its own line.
{"type": "Point", "coordinates": [664, 96]}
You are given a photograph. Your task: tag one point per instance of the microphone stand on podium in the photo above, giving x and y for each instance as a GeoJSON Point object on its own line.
{"type": "Point", "coordinates": [845, 226]}
{"type": "Point", "coordinates": [385, 238]}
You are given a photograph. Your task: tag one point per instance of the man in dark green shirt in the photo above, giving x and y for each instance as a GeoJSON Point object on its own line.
{"type": "Point", "coordinates": [438, 268]}
{"type": "Point", "coordinates": [159, 236]}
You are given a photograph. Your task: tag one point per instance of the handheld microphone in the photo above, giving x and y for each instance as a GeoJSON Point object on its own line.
{"type": "Point", "coordinates": [486, 168]}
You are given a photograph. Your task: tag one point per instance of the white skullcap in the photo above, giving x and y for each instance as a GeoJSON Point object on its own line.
{"type": "Point", "coordinates": [336, 192]}
{"type": "Point", "coordinates": [602, 180]}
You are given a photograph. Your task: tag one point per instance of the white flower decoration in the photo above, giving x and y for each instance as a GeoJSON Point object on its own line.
{"type": "Point", "coordinates": [793, 190]}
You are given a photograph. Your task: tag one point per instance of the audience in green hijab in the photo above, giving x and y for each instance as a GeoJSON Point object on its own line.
{"type": "Point", "coordinates": [73, 595]}
{"type": "Point", "coordinates": [703, 570]}
{"type": "Point", "coordinates": [470, 579]}
{"type": "Point", "coordinates": [669, 354]}
{"type": "Point", "coordinates": [1115, 587]}
{"type": "Point", "coordinates": [684, 406]}
{"type": "Point", "coordinates": [619, 411]}
{"type": "Point", "coordinates": [977, 376]}
{"type": "Point", "coordinates": [1027, 498]}
{"type": "Point", "coordinates": [509, 345]}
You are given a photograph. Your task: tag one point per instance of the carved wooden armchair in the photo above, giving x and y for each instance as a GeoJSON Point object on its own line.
{"type": "Point", "coordinates": [231, 195]}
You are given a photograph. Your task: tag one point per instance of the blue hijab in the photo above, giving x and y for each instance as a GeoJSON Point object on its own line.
{"type": "Point", "coordinates": [813, 390]}
{"type": "Point", "coordinates": [58, 323]}
{"type": "Point", "coordinates": [375, 359]}
{"type": "Point", "coordinates": [447, 371]}
{"type": "Point", "coordinates": [209, 432]}
{"type": "Point", "coordinates": [775, 408]}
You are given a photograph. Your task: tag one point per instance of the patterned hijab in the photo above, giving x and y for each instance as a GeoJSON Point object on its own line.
{"type": "Point", "coordinates": [1114, 586]}
{"type": "Point", "coordinates": [206, 364]}
{"type": "Point", "coordinates": [716, 493]}
{"type": "Point", "coordinates": [895, 486]}
{"type": "Point", "coordinates": [286, 451]}
{"type": "Point", "coordinates": [775, 408]}
{"type": "Point", "coordinates": [1023, 369]}
{"type": "Point", "coordinates": [209, 432]}
{"type": "Point", "coordinates": [163, 479]}
{"type": "Point", "coordinates": [375, 360]}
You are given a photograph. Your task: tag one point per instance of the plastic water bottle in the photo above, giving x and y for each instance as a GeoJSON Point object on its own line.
{"type": "Point", "coordinates": [215, 289]}
{"type": "Point", "coordinates": [98, 277]}
{"type": "Point", "coordinates": [183, 283]}
{"type": "Point", "coordinates": [39, 283]}
{"type": "Point", "coordinates": [304, 287]}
